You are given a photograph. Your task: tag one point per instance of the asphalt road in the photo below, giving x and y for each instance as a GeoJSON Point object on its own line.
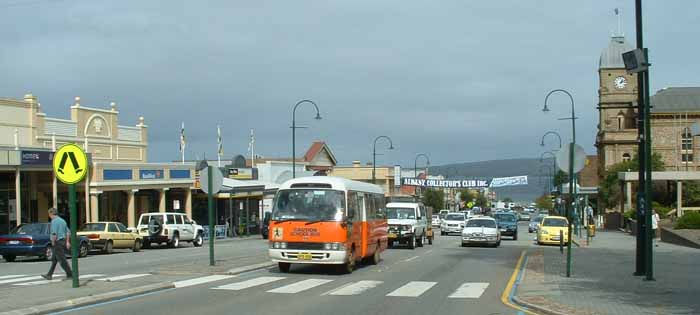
{"type": "Point", "coordinates": [440, 278]}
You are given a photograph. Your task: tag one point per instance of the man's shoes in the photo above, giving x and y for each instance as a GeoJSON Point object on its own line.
{"type": "Point", "coordinates": [47, 277]}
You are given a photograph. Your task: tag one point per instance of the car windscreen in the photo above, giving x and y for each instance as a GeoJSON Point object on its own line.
{"type": "Point", "coordinates": [504, 217]}
{"type": "Point", "coordinates": [401, 213]}
{"type": "Point", "coordinates": [537, 218]}
{"type": "Point", "coordinates": [555, 222]}
{"type": "Point", "coordinates": [454, 217]}
{"type": "Point", "coordinates": [481, 223]}
{"type": "Point", "coordinates": [94, 227]}
{"type": "Point", "coordinates": [309, 205]}
{"type": "Point", "coordinates": [31, 229]}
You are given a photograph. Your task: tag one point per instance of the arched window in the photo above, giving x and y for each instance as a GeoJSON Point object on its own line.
{"type": "Point", "coordinates": [687, 146]}
{"type": "Point", "coordinates": [620, 121]}
{"type": "Point", "coordinates": [626, 157]}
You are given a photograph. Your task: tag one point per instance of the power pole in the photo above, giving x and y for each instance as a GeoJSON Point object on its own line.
{"type": "Point", "coordinates": [641, 190]}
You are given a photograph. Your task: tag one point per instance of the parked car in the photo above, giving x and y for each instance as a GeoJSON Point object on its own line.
{"type": "Point", "coordinates": [34, 239]}
{"type": "Point", "coordinates": [436, 220]}
{"type": "Point", "coordinates": [452, 223]}
{"type": "Point", "coordinates": [408, 224]}
{"type": "Point", "coordinates": [550, 230]}
{"type": "Point", "coordinates": [524, 216]}
{"type": "Point", "coordinates": [481, 230]}
{"type": "Point", "coordinates": [507, 223]}
{"type": "Point", "coordinates": [534, 222]}
{"type": "Point", "coordinates": [107, 236]}
{"type": "Point", "coordinates": [169, 228]}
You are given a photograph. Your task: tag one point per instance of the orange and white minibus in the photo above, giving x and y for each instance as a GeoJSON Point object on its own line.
{"type": "Point", "coordinates": [327, 220]}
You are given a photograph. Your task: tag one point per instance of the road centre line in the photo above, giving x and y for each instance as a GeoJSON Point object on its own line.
{"type": "Point", "coordinates": [200, 280]}
{"type": "Point", "coordinates": [410, 259]}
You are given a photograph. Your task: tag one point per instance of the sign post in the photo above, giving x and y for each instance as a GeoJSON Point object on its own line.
{"type": "Point", "coordinates": [70, 164]}
{"type": "Point", "coordinates": [211, 182]}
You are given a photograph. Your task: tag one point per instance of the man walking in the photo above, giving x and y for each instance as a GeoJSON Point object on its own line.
{"type": "Point", "coordinates": [60, 243]}
{"type": "Point", "coordinates": [655, 226]}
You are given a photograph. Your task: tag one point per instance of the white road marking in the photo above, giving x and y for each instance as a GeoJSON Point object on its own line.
{"type": "Point", "coordinates": [413, 289]}
{"type": "Point", "coordinates": [30, 278]}
{"type": "Point", "coordinates": [249, 283]}
{"type": "Point", "coordinates": [124, 277]}
{"type": "Point", "coordinates": [11, 276]}
{"type": "Point", "coordinates": [300, 286]}
{"type": "Point", "coordinates": [55, 280]}
{"type": "Point", "coordinates": [470, 290]}
{"type": "Point", "coordinates": [355, 288]}
{"type": "Point", "coordinates": [412, 258]}
{"type": "Point", "coordinates": [201, 280]}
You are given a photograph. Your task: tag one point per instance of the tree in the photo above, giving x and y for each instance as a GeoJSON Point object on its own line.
{"type": "Point", "coordinates": [560, 178]}
{"type": "Point", "coordinates": [467, 195]}
{"type": "Point", "coordinates": [434, 198]}
{"type": "Point", "coordinates": [544, 202]}
{"type": "Point", "coordinates": [481, 200]}
{"type": "Point", "coordinates": [610, 190]}
{"type": "Point", "coordinates": [507, 200]}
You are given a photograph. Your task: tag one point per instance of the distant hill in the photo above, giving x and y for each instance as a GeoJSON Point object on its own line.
{"type": "Point", "coordinates": [533, 168]}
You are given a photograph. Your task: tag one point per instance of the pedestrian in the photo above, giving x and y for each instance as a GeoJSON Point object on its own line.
{"type": "Point", "coordinates": [655, 226]}
{"type": "Point", "coordinates": [60, 243]}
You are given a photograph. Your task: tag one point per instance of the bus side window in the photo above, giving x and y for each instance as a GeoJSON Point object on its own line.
{"type": "Point", "coordinates": [381, 203]}
{"type": "Point", "coordinates": [353, 205]}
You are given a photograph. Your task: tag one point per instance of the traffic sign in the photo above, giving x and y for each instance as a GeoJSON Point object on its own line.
{"type": "Point", "coordinates": [217, 180]}
{"type": "Point", "coordinates": [563, 158]}
{"type": "Point", "coordinates": [70, 164]}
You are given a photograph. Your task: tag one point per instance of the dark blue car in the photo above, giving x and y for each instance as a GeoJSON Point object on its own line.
{"type": "Point", "coordinates": [507, 223]}
{"type": "Point", "coordinates": [33, 239]}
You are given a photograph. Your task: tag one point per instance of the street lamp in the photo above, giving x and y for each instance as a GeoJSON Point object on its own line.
{"type": "Point", "coordinates": [415, 164]}
{"type": "Point", "coordinates": [551, 133]}
{"type": "Point", "coordinates": [374, 154]}
{"type": "Point", "coordinates": [294, 129]}
{"type": "Point", "coordinates": [572, 192]}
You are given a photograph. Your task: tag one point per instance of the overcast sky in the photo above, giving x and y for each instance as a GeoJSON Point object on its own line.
{"type": "Point", "coordinates": [459, 80]}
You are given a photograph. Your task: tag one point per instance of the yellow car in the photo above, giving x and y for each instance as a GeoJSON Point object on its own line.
{"type": "Point", "coordinates": [110, 235]}
{"type": "Point", "coordinates": [548, 230]}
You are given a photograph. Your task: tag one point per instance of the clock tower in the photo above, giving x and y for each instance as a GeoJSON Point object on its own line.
{"type": "Point", "coordinates": [616, 140]}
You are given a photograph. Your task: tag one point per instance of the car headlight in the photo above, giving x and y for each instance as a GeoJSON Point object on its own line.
{"type": "Point", "coordinates": [544, 232]}
{"type": "Point", "coordinates": [406, 227]}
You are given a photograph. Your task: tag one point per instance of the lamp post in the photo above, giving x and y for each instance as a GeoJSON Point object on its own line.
{"type": "Point", "coordinates": [448, 191]}
{"type": "Point", "coordinates": [551, 133]}
{"type": "Point", "coordinates": [415, 166]}
{"type": "Point", "coordinates": [374, 155]}
{"type": "Point", "coordinates": [572, 191]}
{"type": "Point", "coordinates": [554, 172]}
{"type": "Point", "coordinates": [294, 129]}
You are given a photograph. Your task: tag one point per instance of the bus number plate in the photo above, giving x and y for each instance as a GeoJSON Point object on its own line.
{"type": "Point", "coordinates": [305, 256]}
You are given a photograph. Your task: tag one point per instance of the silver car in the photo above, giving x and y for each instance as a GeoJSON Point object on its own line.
{"type": "Point", "coordinates": [452, 223]}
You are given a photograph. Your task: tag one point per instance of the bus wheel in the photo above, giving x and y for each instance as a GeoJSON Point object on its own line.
{"type": "Point", "coordinates": [349, 266]}
{"type": "Point", "coordinates": [376, 257]}
{"type": "Point", "coordinates": [284, 267]}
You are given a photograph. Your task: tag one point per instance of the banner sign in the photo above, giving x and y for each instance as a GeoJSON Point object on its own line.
{"type": "Point", "coordinates": [397, 175]}
{"type": "Point", "coordinates": [440, 183]}
{"type": "Point", "coordinates": [219, 231]}
{"type": "Point", "coordinates": [37, 158]}
{"type": "Point", "coordinates": [508, 181]}
{"type": "Point", "coordinates": [151, 174]}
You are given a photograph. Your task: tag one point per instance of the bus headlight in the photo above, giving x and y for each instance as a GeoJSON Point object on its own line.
{"type": "Point", "coordinates": [278, 245]}
{"type": "Point", "coordinates": [333, 246]}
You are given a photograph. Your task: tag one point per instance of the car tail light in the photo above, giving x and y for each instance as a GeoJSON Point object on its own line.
{"type": "Point", "coordinates": [27, 240]}
{"type": "Point", "coordinates": [94, 236]}
{"type": "Point", "coordinates": [23, 240]}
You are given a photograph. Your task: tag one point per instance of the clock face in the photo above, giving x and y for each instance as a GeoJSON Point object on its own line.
{"type": "Point", "coordinates": [620, 83]}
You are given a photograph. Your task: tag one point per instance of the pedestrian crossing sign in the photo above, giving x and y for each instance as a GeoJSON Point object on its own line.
{"type": "Point", "coordinates": [70, 164]}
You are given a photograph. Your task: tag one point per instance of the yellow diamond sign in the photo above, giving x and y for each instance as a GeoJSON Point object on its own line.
{"type": "Point", "coordinates": [70, 164]}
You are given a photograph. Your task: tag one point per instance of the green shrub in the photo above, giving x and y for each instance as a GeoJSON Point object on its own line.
{"type": "Point", "coordinates": [690, 220]}
{"type": "Point", "coordinates": [661, 209]}
{"type": "Point", "coordinates": [631, 214]}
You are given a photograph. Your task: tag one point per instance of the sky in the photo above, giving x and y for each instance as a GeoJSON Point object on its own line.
{"type": "Point", "coordinates": [459, 80]}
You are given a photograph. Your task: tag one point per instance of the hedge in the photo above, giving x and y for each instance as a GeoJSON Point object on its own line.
{"type": "Point", "coordinates": [690, 220]}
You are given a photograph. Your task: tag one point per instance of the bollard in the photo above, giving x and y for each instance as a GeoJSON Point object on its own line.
{"type": "Point", "coordinates": [561, 241]}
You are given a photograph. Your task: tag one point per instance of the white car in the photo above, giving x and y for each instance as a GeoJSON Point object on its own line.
{"type": "Point", "coordinates": [436, 220]}
{"type": "Point", "coordinates": [452, 223]}
{"type": "Point", "coordinates": [169, 228]}
{"type": "Point", "coordinates": [481, 231]}
{"type": "Point", "coordinates": [408, 224]}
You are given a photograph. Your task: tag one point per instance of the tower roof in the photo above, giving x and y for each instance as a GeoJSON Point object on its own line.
{"type": "Point", "coordinates": [611, 58]}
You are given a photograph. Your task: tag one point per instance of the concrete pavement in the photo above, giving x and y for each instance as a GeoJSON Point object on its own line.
{"type": "Point", "coordinates": [444, 278]}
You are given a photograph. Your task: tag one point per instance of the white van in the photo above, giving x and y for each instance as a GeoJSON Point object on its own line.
{"type": "Point", "coordinates": [169, 228]}
{"type": "Point", "coordinates": [408, 223]}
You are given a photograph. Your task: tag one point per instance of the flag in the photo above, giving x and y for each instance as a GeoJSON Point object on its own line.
{"type": "Point", "coordinates": [251, 141]}
{"type": "Point", "coordinates": [183, 142]}
{"type": "Point", "coordinates": [617, 12]}
{"type": "Point", "coordinates": [221, 145]}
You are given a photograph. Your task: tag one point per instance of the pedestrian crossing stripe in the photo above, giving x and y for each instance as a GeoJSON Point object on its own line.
{"type": "Point", "coordinates": [300, 286]}
{"type": "Point", "coordinates": [30, 278]}
{"type": "Point", "coordinates": [413, 289]}
{"type": "Point", "coordinates": [249, 283]}
{"type": "Point", "coordinates": [54, 280]}
{"type": "Point", "coordinates": [470, 291]}
{"type": "Point", "coordinates": [11, 276]}
{"type": "Point", "coordinates": [355, 288]}
{"type": "Point", "coordinates": [201, 280]}
{"type": "Point", "coordinates": [124, 277]}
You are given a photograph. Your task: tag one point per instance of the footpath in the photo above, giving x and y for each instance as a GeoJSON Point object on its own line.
{"type": "Point", "coordinates": [602, 280]}
{"type": "Point", "coordinates": [30, 294]}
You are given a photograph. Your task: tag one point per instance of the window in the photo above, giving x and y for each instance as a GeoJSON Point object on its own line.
{"type": "Point", "coordinates": [313, 205]}
{"type": "Point", "coordinates": [687, 146]}
{"type": "Point", "coordinates": [90, 227]}
{"type": "Point", "coordinates": [626, 157]}
{"type": "Point", "coordinates": [122, 228]}
{"type": "Point", "coordinates": [179, 219]}
{"type": "Point", "coordinates": [171, 219]}
{"type": "Point", "coordinates": [112, 228]}
{"type": "Point", "coordinates": [620, 121]}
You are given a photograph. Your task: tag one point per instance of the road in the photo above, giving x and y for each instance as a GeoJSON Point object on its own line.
{"type": "Point", "coordinates": [440, 278]}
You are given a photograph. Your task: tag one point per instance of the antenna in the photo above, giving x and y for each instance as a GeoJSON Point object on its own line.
{"type": "Point", "coordinates": [619, 23]}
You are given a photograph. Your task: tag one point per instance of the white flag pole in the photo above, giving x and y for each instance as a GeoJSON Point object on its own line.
{"type": "Point", "coordinates": [218, 148]}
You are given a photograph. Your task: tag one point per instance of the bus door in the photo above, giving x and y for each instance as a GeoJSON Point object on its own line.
{"type": "Point", "coordinates": [356, 201]}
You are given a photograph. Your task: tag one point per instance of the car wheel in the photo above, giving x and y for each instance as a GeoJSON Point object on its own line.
{"type": "Point", "coordinates": [464, 245]}
{"type": "Point", "coordinates": [515, 236]}
{"type": "Point", "coordinates": [137, 246]}
{"type": "Point", "coordinates": [419, 241]}
{"type": "Point", "coordinates": [146, 244]}
{"type": "Point", "coordinates": [498, 243]}
{"type": "Point", "coordinates": [83, 250]}
{"type": "Point", "coordinates": [284, 267]}
{"type": "Point", "coordinates": [175, 242]}
{"type": "Point", "coordinates": [48, 253]}
{"type": "Point", "coordinates": [198, 240]}
{"type": "Point", "coordinates": [412, 243]}
{"type": "Point", "coordinates": [9, 258]}
{"type": "Point", "coordinates": [109, 247]}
